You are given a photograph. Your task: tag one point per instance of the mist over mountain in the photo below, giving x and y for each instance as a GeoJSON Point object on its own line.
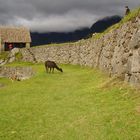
{"type": "Point", "coordinates": [61, 37]}
{"type": "Point", "coordinates": [104, 23]}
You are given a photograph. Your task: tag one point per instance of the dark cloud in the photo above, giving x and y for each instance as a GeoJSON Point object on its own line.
{"type": "Point", "coordinates": [59, 15]}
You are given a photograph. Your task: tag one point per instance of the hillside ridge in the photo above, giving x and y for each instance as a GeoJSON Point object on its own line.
{"type": "Point", "coordinates": [73, 36]}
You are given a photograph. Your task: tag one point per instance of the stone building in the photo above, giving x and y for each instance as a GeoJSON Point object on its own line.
{"type": "Point", "coordinates": [14, 37]}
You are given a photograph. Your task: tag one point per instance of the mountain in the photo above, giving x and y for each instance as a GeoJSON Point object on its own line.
{"type": "Point", "coordinates": [104, 23]}
{"type": "Point", "coordinates": [54, 37]}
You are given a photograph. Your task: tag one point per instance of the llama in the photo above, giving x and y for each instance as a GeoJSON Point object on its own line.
{"type": "Point", "coordinates": [50, 65]}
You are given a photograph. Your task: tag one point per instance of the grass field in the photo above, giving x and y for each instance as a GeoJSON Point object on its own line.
{"type": "Point", "coordinates": [80, 104]}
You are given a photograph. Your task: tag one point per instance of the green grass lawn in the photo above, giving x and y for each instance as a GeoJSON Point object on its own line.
{"type": "Point", "coordinates": [79, 104]}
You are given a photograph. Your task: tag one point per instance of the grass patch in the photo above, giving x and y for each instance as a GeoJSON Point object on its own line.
{"type": "Point", "coordinates": [79, 104]}
{"type": "Point", "coordinates": [18, 56]}
{"type": "Point", "coordinates": [57, 45]}
{"type": "Point", "coordinates": [82, 41]}
{"type": "Point", "coordinates": [4, 55]}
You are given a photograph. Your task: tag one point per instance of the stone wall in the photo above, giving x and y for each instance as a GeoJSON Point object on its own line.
{"type": "Point", "coordinates": [117, 52]}
{"type": "Point", "coordinates": [16, 73]}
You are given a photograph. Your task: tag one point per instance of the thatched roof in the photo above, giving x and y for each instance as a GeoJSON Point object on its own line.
{"type": "Point", "coordinates": [14, 34]}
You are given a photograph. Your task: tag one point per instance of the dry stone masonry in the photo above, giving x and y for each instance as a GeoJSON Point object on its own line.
{"type": "Point", "coordinates": [117, 52]}
{"type": "Point", "coordinates": [16, 73]}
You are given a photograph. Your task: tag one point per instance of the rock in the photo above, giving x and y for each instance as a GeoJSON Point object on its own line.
{"type": "Point", "coordinates": [135, 41]}
{"type": "Point", "coordinates": [2, 62]}
{"type": "Point", "coordinates": [14, 51]}
{"type": "Point", "coordinates": [12, 55]}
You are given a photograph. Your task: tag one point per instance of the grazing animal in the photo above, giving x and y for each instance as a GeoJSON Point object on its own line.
{"type": "Point", "coordinates": [50, 65]}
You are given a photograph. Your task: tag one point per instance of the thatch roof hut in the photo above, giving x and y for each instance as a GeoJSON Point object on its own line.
{"type": "Point", "coordinates": [17, 36]}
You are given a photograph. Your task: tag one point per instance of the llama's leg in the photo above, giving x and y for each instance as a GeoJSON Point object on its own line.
{"type": "Point", "coordinates": [47, 69]}
{"type": "Point", "coordinates": [52, 70]}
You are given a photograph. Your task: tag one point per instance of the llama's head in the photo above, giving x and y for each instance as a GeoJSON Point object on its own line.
{"type": "Point", "coordinates": [60, 70]}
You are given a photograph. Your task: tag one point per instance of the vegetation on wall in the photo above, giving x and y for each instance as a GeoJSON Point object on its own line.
{"type": "Point", "coordinates": [4, 55]}
{"type": "Point", "coordinates": [132, 15]}
{"type": "Point", "coordinates": [18, 56]}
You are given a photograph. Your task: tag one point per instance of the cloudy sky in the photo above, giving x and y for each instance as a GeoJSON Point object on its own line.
{"type": "Point", "coordinates": [59, 15]}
